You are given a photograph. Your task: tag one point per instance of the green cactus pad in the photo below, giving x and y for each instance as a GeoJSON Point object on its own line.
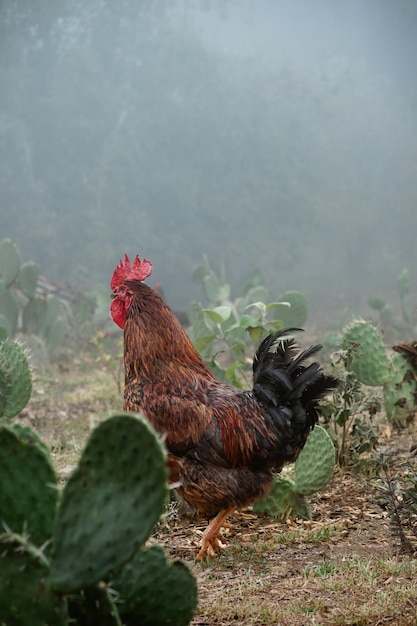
{"type": "Point", "coordinates": [93, 606]}
{"type": "Point", "coordinates": [283, 501]}
{"type": "Point", "coordinates": [214, 290]}
{"type": "Point", "coordinates": [296, 314]}
{"type": "Point", "coordinates": [9, 309]}
{"type": "Point", "coordinates": [315, 463]}
{"type": "Point", "coordinates": [369, 359]}
{"type": "Point", "coordinates": [28, 486]}
{"type": "Point", "coordinates": [154, 592]}
{"type": "Point", "coordinates": [110, 503]}
{"type": "Point", "coordinates": [26, 598]}
{"type": "Point", "coordinates": [55, 334]}
{"type": "Point", "coordinates": [28, 278]}
{"type": "Point", "coordinates": [254, 294]}
{"type": "Point", "coordinates": [27, 435]}
{"type": "Point", "coordinates": [400, 390]}
{"type": "Point", "coordinates": [15, 379]}
{"type": "Point", "coordinates": [52, 312]}
{"type": "Point", "coordinates": [9, 261]}
{"type": "Point", "coordinates": [34, 315]}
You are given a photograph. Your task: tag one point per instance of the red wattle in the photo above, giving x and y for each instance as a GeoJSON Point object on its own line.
{"type": "Point", "coordinates": [118, 312]}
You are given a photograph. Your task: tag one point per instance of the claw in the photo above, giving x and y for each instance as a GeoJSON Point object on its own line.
{"type": "Point", "coordinates": [212, 543]}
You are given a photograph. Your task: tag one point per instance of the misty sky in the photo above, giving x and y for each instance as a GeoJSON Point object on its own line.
{"type": "Point", "coordinates": [271, 133]}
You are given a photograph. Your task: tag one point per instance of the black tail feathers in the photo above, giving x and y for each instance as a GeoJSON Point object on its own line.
{"type": "Point", "coordinates": [281, 379]}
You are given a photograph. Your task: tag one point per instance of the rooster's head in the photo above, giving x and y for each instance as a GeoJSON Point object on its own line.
{"type": "Point", "coordinates": [122, 295]}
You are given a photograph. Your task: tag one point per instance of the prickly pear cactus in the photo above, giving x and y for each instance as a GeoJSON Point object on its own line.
{"type": "Point", "coordinates": [283, 501]}
{"type": "Point", "coordinates": [400, 390]}
{"type": "Point", "coordinates": [9, 261]}
{"type": "Point", "coordinates": [28, 486]}
{"type": "Point", "coordinates": [313, 471]}
{"type": "Point", "coordinates": [93, 606]}
{"type": "Point", "coordinates": [52, 313]}
{"type": "Point", "coordinates": [296, 314]}
{"type": "Point", "coordinates": [155, 593]}
{"type": "Point", "coordinates": [8, 309]}
{"type": "Point", "coordinates": [55, 334]}
{"type": "Point", "coordinates": [15, 379]}
{"type": "Point", "coordinates": [215, 291]}
{"type": "Point", "coordinates": [110, 503]}
{"type": "Point", "coordinates": [28, 278]}
{"type": "Point", "coordinates": [27, 435]}
{"type": "Point", "coordinates": [26, 598]}
{"type": "Point", "coordinates": [369, 359]}
{"type": "Point", "coordinates": [33, 316]}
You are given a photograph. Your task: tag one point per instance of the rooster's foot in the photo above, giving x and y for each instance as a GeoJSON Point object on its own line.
{"type": "Point", "coordinates": [210, 547]}
{"type": "Point", "coordinates": [212, 543]}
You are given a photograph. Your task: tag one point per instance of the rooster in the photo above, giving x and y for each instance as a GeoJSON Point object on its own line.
{"type": "Point", "coordinates": [223, 443]}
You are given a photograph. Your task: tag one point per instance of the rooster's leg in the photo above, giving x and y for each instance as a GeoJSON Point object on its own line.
{"type": "Point", "coordinates": [211, 542]}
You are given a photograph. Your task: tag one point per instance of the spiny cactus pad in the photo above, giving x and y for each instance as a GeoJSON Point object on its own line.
{"type": "Point", "coordinates": [27, 435]}
{"type": "Point", "coordinates": [215, 290]}
{"type": "Point", "coordinates": [15, 378]}
{"type": "Point", "coordinates": [313, 471]}
{"type": "Point", "coordinates": [34, 315]}
{"type": "Point", "coordinates": [9, 261]}
{"type": "Point", "coordinates": [55, 334]}
{"type": "Point", "coordinates": [28, 278]}
{"type": "Point", "coordinates": [26, 598]}
{"type": "Point", "coordinates": [400, 390]}
{"type": "Point", "coordinates": [283, 501]}
{"type": "Point", "coordinates": [296, 313]}
{"type": "Point", "coordinates": [110, 503]}
{"type": "Point", "coordinates": [9, 308]}
{"type": "Point", "coordinates": [369, 359]}
{"type": "Point", "coordinates": [93, 606]}
{"type": "Point", "coordinates": [27, 485]}
{"type": "Point", "coordinates": [315, 463]}
{"type": "Point", "coordinates": [154, 592]}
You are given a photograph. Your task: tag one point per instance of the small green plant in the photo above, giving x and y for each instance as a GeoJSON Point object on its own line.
{"type": "Point", "coordinates": [227, 331]}
{"type": "Point", "coordinates": [75, 556]}
{"type": "Point", "coordinates": [313, 470]}
{"type": "Point", "coordinates": [400, 391]}
{"type": "Point", "coordinates": [398, 495]}
{"type": "Point", "coordinates": [21, 308]}
{"type": "Point", "coordinates": [349, 414]}
{"type": "Point", "coordinates": [110, 356]}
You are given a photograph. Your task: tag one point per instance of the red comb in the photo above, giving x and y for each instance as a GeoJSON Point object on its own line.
{"type": "Point", "coordinates": [139, 270]}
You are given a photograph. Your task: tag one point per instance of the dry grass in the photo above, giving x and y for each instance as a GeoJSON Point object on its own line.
{"type": "Point", "coordinates": [343, 568]}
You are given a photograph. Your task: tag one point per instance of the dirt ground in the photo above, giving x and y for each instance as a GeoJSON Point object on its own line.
{"type": "Point", "coordinates": [343, 567]}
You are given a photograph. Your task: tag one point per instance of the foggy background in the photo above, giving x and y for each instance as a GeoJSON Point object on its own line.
{"type": "Point", "coordinates": [277, 134]}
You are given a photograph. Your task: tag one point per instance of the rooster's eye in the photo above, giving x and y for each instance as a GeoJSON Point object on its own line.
{"type": "Point", "coordinates": [129, 293]}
